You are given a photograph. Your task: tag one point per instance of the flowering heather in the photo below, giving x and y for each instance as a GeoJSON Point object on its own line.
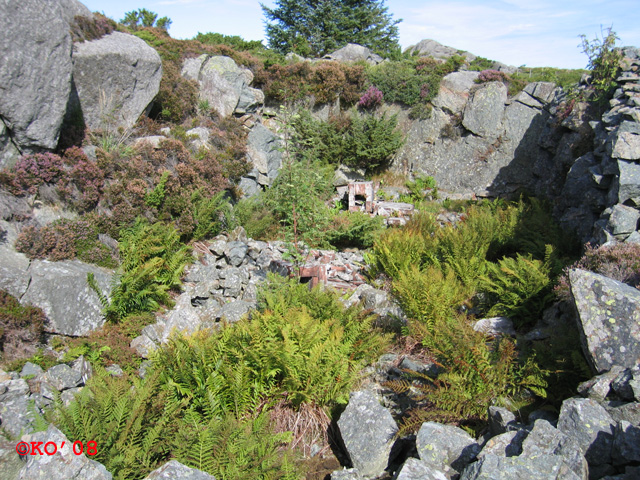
{"type": "Point", "coordinates": [492, 76]}
{"type": "Point", "coordinates": [372, 98]}
{"type": "Point", "coordinates": [31, 171]}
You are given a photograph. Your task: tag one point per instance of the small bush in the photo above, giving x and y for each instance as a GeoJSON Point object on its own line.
{"type": "Point", "coordinates": [32, 171]}
{"type": "Point", "coordinates": [371, 99]}
{"type": "Point", "coordinates": [20, 328]}
{"type": "Point", "coordinates": [620, 262]}
{"type": "Point", "coordinates": [85, 29]}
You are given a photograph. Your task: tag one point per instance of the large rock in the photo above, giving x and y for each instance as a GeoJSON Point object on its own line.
{"type": "Point", "coordinates": [544, 439]}
{"type": "Point", "coordinates": [73, 8]}
{"type": "Point", "coordinates": [61, 290]}
{"type": "Point", "coordinates": [14, 266]}
{"type": "Point", "coordinates": [588, 423]}
{"type": "Point", "coordinates": [35, 74]}
{"type": "Point", "coordinates": [63, 464]}
{"type": "Point", "coordinates": [431, 48]}
{"type": "Point", "coordinates": [16, 414]}
{"type": "Point", "coordinates": [175, 470]}
{"type": "Point", "coordinates": [485, 110]}
{"type": "Point", "coordinates": [445, 447]}
{"type": "Point", "coordinates": [626, 143]}
{"type": "Point", "coordinates": [543, 467]}
{"type": "Point", "coordinates": [608, 319]}
{"type": "Point", "coordinates": [414, 469]}
{"type": "Point", "coordinates": [116, 77]}
{"type": "Point", "coordinates": [454, 91]}
{"type": "Point", "coordinates": [224, 84]}
{"type": "Point", "coordinates": [353, 52]}
{"type": "Point", "coordinates": [368, 430]}
{"type": "Point", "coordinates": [263, 151]}
{"type": "Point", "coordinates": [628, 182]}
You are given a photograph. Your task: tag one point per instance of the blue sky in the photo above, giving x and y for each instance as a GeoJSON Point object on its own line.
{"type": "Point", "coordinates": [516, 32]}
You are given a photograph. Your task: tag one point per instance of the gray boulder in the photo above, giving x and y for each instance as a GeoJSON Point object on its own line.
{"type": "Point", "coordinates": [501, 420]}
{"type": "Point", "coordinates": [64, 464]}
{"type": "Point", "coordinates": [14, 269]}
{"type": "Point", "coordinates": [116, 77]}
{"type": "Point", "coordinates": [35, 74]}
{"type": "Point", "coordinates": [414, 469]}
{"type": "Point", "coordinates": [485, 110]}
{"type": "Point", "coordinates": [263, 151]}
{"type": "Point", "coordinates": [599, 386]}
{"type": "Point", "coordinates": [628, 182]}
{"type": "Point", "coordinates": [223, 84]}
{"type": "Point", "coordinates": [353, 52]}
{"type": "Point", "coordinates": [495, 326]}
{"type": "Point", "coordinates": [589, 424]}
{"type": "Point", "coordinates": [61, 290]}
{"type": "Point", "coordinates": [626, 444]}
{"type": "Point", "coordinates": [431, 48]}
{"type": "Point", "coordinates": [175, 470]}
{"type": "Point", "coordinates": [73, 8]}
{"type": "Point", "coordinates": [454, 91]}
{"type": "Point", "coordinates": [544, 439]}
{"type": "Point", "coordinates": [623, 220]}
{"type": "Point", "coordinates": [16, 416]}
{"type": "Point", "coordinates": [234, 311]}
{"type": "Point", "coordinates": [627, 384]}
{"type": "Point", "coordinates": [543, 467]}
{"type": "Point", "coordinates": [445, 447]}
{"type": "Point", "coordinates": [367, 430]}
{"type": "Point", "coordinates": [58, 378]}
{"type": "Point", "coordinates": [608, 319]}
{"type": "Point", "coordinates": [508, 444]}
{"type": "Point", "coordinates": [626, 143]}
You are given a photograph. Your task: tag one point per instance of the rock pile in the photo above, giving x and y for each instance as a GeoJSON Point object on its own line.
{"type": "Point", "coordinates": [222, 285]}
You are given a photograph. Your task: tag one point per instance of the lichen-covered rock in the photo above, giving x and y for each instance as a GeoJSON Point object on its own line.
{"type": "Point", "coordinates": [628, 181]}
{"type": "Point", "coordinates": [543, 467]}
{"type": "Point", "coordinates": [175, 470]}
{"type": "Point", "coordinates": [495, 326]}
{"type": "Point", "coordinates": [35, 74]}
{"type": "Point", "coordinates": [485, 110]}
{"type": "Point", "coordinates": [223, 84]}
{"type": "Point", "coordinates": [626, 144]}
{"type": "Point", "coordinates": [609, 319]}
{"type": "Point", "coordinates": [61, 290]}
{"type": "Point", "coordinates": [501, 420]}
{"type": "Point", "coordinates": [623, 220]}
{"type": "Point", "coordinates": [507, 444]}
{"type": "Point", "coordinates": [454, 91]}
{"type": "Point", "coordinates": [64, 464]}
{"type": "Point", "coordinates": [589, 424]}
{"type": "Point", "coordinates": [599, 386]}
{"type": "Point", "coordinates": [353, 52]}
{"type": "Point", "coordinates": [367, 430]}
{"type": "Point", "coordinates": [445, 447]}
{"type": "Point", "coordinates": [414, 469]}
{"type": "Point", "coordinates": [116, 77]}
{"type": "Point", "coordinates": [544, 439]}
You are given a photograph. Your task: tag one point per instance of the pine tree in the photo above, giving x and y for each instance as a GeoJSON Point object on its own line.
{"type": "Point", "coordinates": [315, 28]}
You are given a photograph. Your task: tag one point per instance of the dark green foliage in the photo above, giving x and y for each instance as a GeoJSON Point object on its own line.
{"type": "Point", "coordinates": [152, 261]}
{"type": "Point", "coordinates": [363, 141]}
{"type": "Point", "coordinates": [20, 328]}
{"type": "Point", "coordinates": [233, 449]}
{"type": "Point", "coordinates": [234, 41]}
{"type": "Point", "coordinates": [259, 222]}
{"type": "Point", "coordinates": [144, 18]}
{"type": "Point", "coordinates": [130, 419]}
{"type": "Point", "coordinates": [519, 288]}
{"type": "Point", "coordinates": [354, 230]}
{"type": "Point", "coordinates": [316, 28]}
{"type": "Point", "coordinates": [604, 63]}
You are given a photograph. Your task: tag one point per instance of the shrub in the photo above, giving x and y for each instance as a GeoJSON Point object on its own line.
{"type": "Point", "coordinates": [604, 63]}
{"type": "Point", "coordinates": [354, 230]}
{"type": "Point", "coordinates": [32, 171]}
{"type": "Point", "coordinates": [492, 76]}
{"type": "Point", "coordinates": [87, 29]}
{"type": "Point", "coordinates": [234, 41]}
{"type": "Point", "coordinates": [65, 240]}
{"type": "Point", "coordinates": [20, 328]}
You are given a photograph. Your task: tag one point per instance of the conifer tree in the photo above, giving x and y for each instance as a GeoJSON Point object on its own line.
{"type": "Point", "coordinates": [315, 28]}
